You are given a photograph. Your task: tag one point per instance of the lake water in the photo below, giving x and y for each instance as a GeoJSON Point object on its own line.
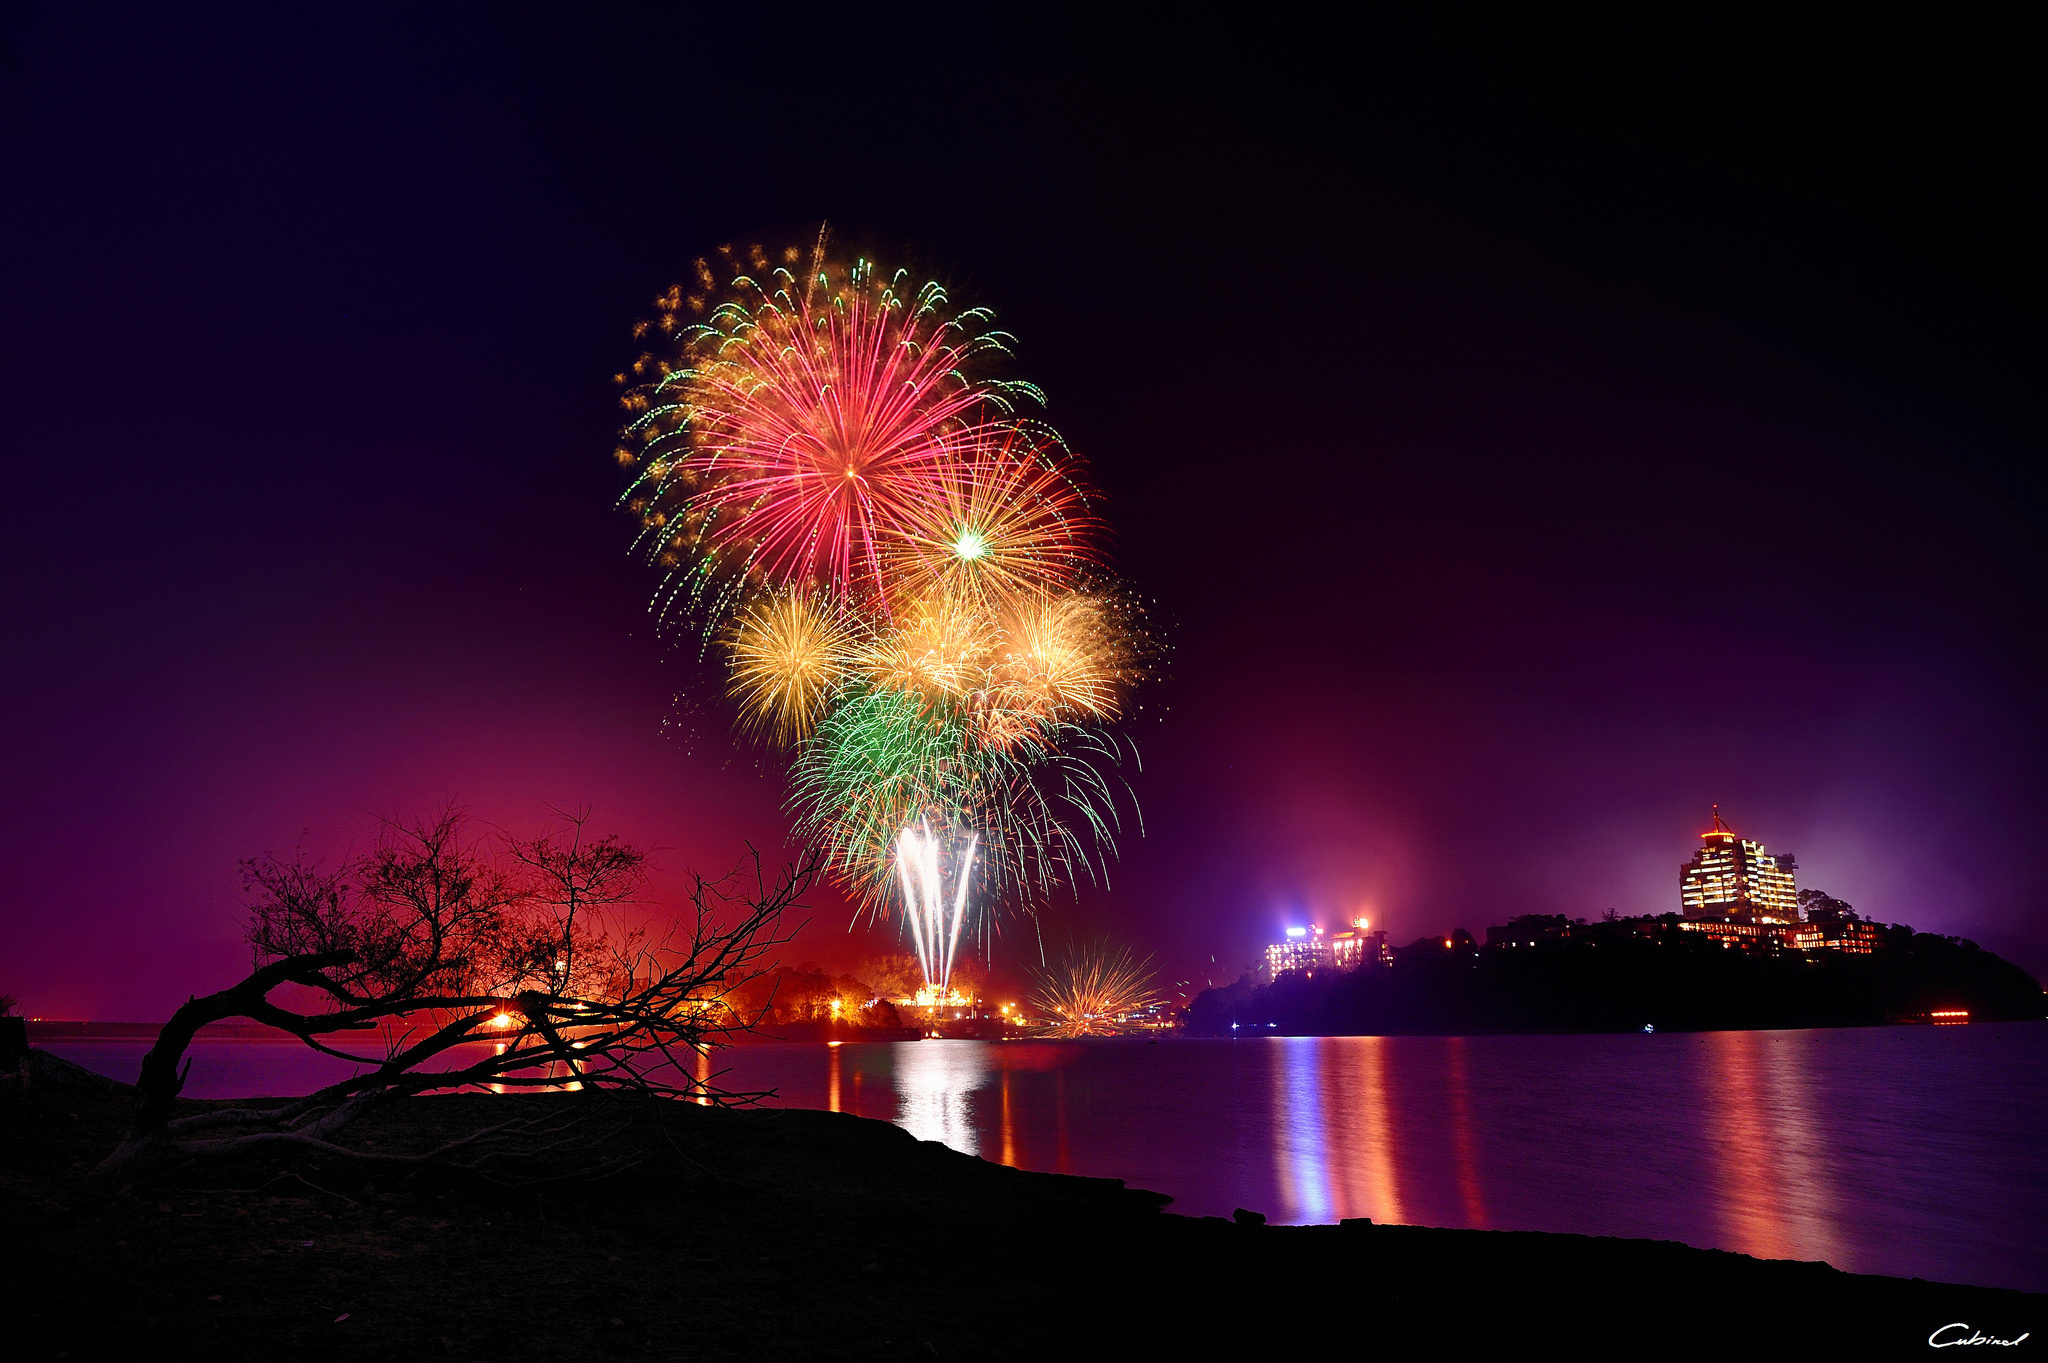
{"type": "Point", "coordinates": [1915, 1151]}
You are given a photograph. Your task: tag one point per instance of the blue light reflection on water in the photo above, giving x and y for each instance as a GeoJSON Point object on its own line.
{"type": "Point", "coordinates": [1903, 1150]}
{"type": "Point", "coordinates": [1301, 1136]}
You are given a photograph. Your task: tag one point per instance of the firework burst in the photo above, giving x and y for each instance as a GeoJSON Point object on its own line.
{"type": "Point", "coordinates": [938, 647]}
{"type": "Point", "coordinates": [1093, 988]}
{"type": "Point", "coordinates": [807, 419]}
{"type": "Point", "coordinates": [1063, 659]}
{"type": "Point", "coordinates": [1013, 671]}
{"type": "Point", "coordinates": [790, 652]}
{"type": "Point", "coordinates": [884, 760]}
{"type": "Point", "coordinates": [1012, 520]}
{"type": "Point", "coordinates": [904, 575]}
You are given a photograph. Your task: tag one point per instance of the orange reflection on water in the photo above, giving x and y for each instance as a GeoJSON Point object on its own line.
{"type": "Point", "coordinates": [832, 1080]}
{"type": "Point", "coordinates": [1332, 1129]}
{"type": "Point", "coordinates": [1743, 1157]}
{"type": "Point", "coordinates": [1810, 1208]}
{"type": "Point", "coordinates": [1768, 1151]}
{"type": "Point", "coordinates": [1462, 1143]}
{"type": "Point", "coordinates": [1009, 1124]}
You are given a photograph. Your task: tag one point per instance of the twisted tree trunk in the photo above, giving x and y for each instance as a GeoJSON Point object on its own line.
{"type": "Point", "coordinates": [148, 1144]}
{"type": "Point", "coordinates": [621, 1030]}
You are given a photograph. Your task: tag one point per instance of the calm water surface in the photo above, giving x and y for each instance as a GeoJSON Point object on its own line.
{"type": "Point", "coordinates": [1916, 1151]}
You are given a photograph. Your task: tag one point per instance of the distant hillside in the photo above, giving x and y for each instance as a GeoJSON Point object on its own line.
{"type": "Point", "coordinates": [1623, 981]}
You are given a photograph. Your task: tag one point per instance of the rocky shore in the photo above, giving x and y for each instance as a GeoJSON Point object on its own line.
{"type": "Point", "coordinates": [794, 1234]}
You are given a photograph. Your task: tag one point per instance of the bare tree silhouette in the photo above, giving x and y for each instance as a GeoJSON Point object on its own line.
{"type": "Point", "coordinates": [434, 941]}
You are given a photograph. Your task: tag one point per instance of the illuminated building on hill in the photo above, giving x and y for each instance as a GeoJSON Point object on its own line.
{"type": "Point", "coordinates": [1855, 936]}
{"type": "Point", "coordinates": [1308, 949]}
{"type": "Point", "coordinates": [1300, 949]}
{"type": "Point", "coordinates": [1736, 879]}
{"type": "Point", "coordinates": [1737, 933]}
{"type": "Point", "coordinates": [1355, 947]}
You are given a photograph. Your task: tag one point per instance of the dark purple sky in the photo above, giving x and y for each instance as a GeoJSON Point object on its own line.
{"type": "Point", "coordinates": [1527, 441]}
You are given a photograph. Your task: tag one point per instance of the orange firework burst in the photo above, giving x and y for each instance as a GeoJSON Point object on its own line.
{"type": "Point", "coordinates": [1012, 671]}
{"type": "Point", "coordinates": [789, 655]}
{"type": "Point", "coordinates": [1093, 989]}
{"type": "Point", "coordinates": [1010, 520]}
{"type": "Point", "coordinates": [1065, 656]}
{"type": "Point", "coordinates": [938, 647]}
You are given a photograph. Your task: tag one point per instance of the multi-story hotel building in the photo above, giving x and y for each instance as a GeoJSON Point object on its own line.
{"type": "Point", "coordinates": [1302, 949]}
{"type": "Point", "coordinates": [1311, 949]}
{"type": "Point", "coordinates": [1735, 878]}
{"type": "Point", "coordinates": [1351, 948]}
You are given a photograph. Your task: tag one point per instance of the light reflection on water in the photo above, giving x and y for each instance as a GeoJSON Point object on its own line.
{"type": "Point", "coordinates": [1301, 1137]}
{"type": "Point", "coordinates": [935, 1091]}
{"type": "Point", "coordinates": [1902, 1150]}
{"type": "Point", "coordinates": [1465, 1148]}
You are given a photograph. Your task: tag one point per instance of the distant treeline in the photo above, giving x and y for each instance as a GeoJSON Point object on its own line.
{"type": "Point", "coordinates": [1624, 979]}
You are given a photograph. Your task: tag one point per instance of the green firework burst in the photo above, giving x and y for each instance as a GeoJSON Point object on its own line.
{"type": "Point", "coordinates": [884, 759]}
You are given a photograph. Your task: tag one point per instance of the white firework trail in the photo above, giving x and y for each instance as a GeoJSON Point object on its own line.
{"type": "Point", "coordinates": [934, 924]}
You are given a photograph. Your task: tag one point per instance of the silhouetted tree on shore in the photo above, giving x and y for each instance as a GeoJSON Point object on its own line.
{"type": "Point", "coordinates": [434, 941]}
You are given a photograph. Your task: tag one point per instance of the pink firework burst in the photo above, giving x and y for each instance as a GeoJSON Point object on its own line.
{"type": "Point", "coordinates": [812, 422]}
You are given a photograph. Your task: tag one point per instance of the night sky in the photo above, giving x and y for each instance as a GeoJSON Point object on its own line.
{"type": "Point", "coordinates": [1530, 436]}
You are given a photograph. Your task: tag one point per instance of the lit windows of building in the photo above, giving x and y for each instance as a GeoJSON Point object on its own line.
{"type": "Point", "coordinates": [1853, 936]}
{"type": "Point", "coordinates": [1300, 950]}
{"type": "Point", "coordinates": [1305, 950]}
{"type": "Point", "coordinates": [1736, 934]}
{"type": "Point", "coordinates": [1859, 939]}
{"type": "Point", "coordinates": [1355, 946]}
{"type": "Point", "coordinates": [1840, 927]}
{"type": "Point", "coordinates": [1735, 878]}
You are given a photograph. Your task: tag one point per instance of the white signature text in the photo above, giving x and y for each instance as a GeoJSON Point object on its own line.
{"type": "Point", "coordinates": [1936, 1340]}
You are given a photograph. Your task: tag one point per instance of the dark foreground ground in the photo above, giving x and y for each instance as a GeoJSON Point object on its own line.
{"type": "Point", "coordinates": [795, 1234]}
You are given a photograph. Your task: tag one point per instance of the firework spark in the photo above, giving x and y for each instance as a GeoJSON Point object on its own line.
{"type": "Point", "coordinates": [1093, 988]}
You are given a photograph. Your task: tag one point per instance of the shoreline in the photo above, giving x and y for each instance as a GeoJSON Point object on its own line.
{"type": "Point", "coordinates": [797, 1233]}
{"type": "Point", "coordinates": [67, 1031]}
